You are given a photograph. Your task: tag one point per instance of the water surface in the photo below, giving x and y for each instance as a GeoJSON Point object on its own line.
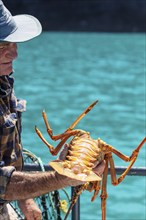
{"type": "Point", "coordinates": [65, 72]}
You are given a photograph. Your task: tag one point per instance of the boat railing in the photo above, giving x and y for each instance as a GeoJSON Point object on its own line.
{"type": "Point", "coordinates": [135, 171]}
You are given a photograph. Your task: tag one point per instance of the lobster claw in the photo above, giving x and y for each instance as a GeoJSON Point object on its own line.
{"type": "Point", "coordinates": [59, 168]}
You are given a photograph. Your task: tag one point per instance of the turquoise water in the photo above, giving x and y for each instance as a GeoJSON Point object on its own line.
{"type": "Point", "coordinates": [65, 72]}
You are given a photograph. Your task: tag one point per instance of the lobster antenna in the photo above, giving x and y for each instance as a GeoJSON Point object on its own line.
{"type": "Point", "coordinates": [74, 199]}
{"type": "Point", "coordinates": [77, 192]}
{"type": "Point", "coordinates": [68, 212]}
{"type": "Point", "coordinates": [82, 115]}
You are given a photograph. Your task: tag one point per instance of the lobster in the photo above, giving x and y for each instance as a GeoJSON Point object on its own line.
{"type": "Point", "coordinates": [83, 153]}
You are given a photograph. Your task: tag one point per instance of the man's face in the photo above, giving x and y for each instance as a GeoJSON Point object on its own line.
{"type": "Point", "coordinates": [8, 52]}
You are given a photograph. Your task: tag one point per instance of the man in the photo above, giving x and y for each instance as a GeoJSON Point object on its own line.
{"type": "Point", "coordinates": [15, 184]}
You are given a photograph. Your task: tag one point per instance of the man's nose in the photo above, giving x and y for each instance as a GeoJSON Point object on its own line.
{"type": "Point", "coordinates": [12, 45]}
{"type": "Point", "coordinates": [11, 51]}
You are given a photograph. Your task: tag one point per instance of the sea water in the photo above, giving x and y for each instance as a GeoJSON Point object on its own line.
{"type": "Point", "coordinates": [63, 73]}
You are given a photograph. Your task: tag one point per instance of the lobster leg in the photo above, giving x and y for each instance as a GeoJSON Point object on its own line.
{"type": "Point", "coordinates": [130, 159]}
{"type": "Point", "coordinates": [82, 115]}
{"type": "Point", "coordinates": [50, 131]}
{"type": "Point", "coordinates": [133, 155]}
{"type": "Point", "coordinates": [64, 137]}
{"type": "Point", "coordinates": [56, 137]}
{"type": "Point", "coordinates": [77, 192]}
{"type": "Point", "coordinates": [94, 186]}
{"type": "Point", "coordinates": [104, 194]}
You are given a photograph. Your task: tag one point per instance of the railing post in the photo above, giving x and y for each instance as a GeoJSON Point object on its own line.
{"type": "Point", "coordinates": [76, 208]}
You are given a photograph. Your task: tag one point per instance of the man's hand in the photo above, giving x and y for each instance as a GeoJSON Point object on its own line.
{"type": "Point", "coordinates": [99, 168]}
{"type": "Point", "coordinates": [30, 209]}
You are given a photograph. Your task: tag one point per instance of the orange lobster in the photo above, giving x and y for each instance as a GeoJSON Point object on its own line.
{"type": "Point", "coordinates": [83, 153]}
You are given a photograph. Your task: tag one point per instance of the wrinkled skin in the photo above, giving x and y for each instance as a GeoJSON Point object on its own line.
{"type": "Point", "coordinates": [30, 209]}
{"type": "Point", "coordinates": [8, 53]}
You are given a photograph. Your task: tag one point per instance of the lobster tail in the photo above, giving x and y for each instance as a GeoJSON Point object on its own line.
{"type": "Point", "coordinates": [58, 166]}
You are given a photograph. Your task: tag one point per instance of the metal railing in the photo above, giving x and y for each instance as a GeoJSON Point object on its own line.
{"type": "Point", "coordinates": [134, 171]}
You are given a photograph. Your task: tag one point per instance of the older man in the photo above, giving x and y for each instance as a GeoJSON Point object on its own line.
{"type": "Point", "coordinates": [15, 184]}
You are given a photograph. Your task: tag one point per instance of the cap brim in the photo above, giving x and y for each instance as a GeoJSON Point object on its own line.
{"type": "Point", "coordinates": [28, 27]}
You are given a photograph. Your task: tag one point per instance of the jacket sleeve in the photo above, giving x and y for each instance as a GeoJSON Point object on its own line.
{"type": "Point", "coordinates": [5, 175]}
{"type": "Point", "coordinates": [10, 132]}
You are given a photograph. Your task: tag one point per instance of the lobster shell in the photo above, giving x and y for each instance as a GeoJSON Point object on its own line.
{"type": "Point", "coordinates": [83, 152]}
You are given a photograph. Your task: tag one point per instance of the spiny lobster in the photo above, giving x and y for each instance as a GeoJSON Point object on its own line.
{"type": "Point", "coordinates": [83, 153]}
